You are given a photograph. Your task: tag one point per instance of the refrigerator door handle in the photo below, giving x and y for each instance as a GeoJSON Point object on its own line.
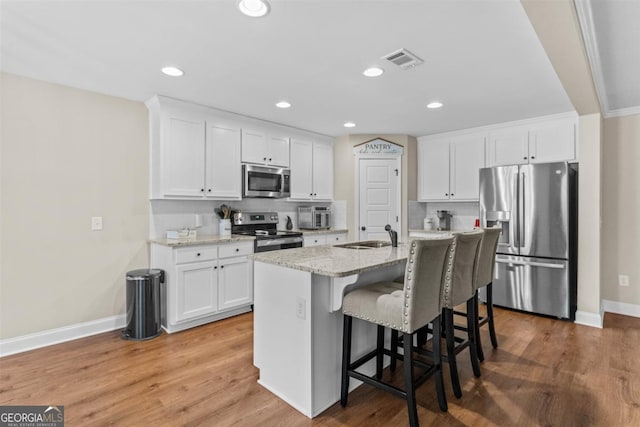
{"type": "Point", "coordinates": [521, 211]}
{"type": "Point", "coordinates": [514, 240]}
{"type": "Point", "coordinates": [531, 263]}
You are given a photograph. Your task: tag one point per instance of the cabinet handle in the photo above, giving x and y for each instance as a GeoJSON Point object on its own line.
{"type": "Point", "coordinates": [524, 158]}
{"type": "Point", "coordinates": [264, 158]}
{"type": "Point", "coordinates": [446, 194]}
{"type": "Point", "coordinates": [337, 238]}
{"type": "Point", "coordinates": [315, 194]}
{"type": "Point", "coordinates": [363, 228]}
{"type": "Point", "coordinates": [202, 190]}
{"type": "Point", "coordinates": [452, 194]}
{"type": "Point", "coordinates": [533, 157]}
{"type": "Point", "coordinates": [209, 190]}
{"type": "Point", "coordinates": [222, 266]}
{"type": "Point", "coordinates": [198, 254]}
{"type": "Point", "coordinates": [237, 249]}
{"type": "Point", "coordinates": [215, 267]}
{"type": "Point", "coordinates": [269, 158]}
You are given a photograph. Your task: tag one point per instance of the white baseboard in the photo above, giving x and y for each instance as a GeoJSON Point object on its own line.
{"type": "Point", "coordinates": [589, 319]}
{"type": "Point", "coordinates": [621, 308]}
{"type": "Point", "coordinates": [59, 335]}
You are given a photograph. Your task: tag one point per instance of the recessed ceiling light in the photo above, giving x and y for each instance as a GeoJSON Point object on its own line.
{"type": "Point", "coordinates": [435, 104]}
{"type": "Point", "coordinates": [349, 125]}
{"type": "Point", "coordinates": [254, 8]}
{"type": "Point", "coordinates": [173, 71]}
{"type": "Point", "coordinates": [373, 72]}
{"type": "Point", "coordinates": [283, 104]}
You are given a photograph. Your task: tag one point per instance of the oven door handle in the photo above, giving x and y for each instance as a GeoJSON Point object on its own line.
{"type": "Point", "coordinates": [276, 242]}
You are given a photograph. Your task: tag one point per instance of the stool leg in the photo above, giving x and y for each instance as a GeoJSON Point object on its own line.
{"type": "Point", "coordinates": [477, 328]}
{"type": "Point", "coordinates": [451, 352]}
{"type": "Point", "coordinates": [394, 349]}
{"type": "Point", "coordinates": [408, 380]}
{"type": "Point", "coordinates": [492, 329]}
{"type": "Point", "coordinates": [346, 359]}
{"type": "Point", "coordinates": [442, 397]}
{"type": "Point", "coordinates": [380, 351]}
{"type": "Point", "coordinates": [472, 318]}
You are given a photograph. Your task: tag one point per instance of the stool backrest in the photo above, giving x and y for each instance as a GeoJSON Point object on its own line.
{"type": "Point", "coordinates": [487, 261]}
{"type": "Point", "coordinates": [425, 276]}
{"type": "Point", "coordinates": [461, 283]}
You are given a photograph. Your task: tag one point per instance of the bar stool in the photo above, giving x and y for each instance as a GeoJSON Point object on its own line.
{"type": "Point", "coordinates": [406, 309]}
{"type": "Point", "coordinates": [460, 289]}
{"type": "Point", "coordinates": [486, 268]}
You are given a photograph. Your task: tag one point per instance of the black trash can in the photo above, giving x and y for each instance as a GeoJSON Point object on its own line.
{"type": "Point", "coordinates": [143, 304]}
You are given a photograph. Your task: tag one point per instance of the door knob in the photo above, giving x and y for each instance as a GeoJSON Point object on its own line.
{"type": "Point", "coordinates": [363, 228]}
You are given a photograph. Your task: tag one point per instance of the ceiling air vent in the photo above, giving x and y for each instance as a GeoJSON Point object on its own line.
{"type": "Point", "coordinates": [403, 59]}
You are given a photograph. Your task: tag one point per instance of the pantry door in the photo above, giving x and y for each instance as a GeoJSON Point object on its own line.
{"type": "Point", "coordinates": [379, 197]}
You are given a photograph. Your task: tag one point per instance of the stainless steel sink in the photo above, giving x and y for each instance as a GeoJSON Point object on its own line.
{"type": "Point", "coordinates": [369, 244]}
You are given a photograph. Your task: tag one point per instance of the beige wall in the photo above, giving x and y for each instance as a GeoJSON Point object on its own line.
{"type": "Point", "coordinates": [344, 174]}
{"type": "Point", "coordinates": [68, 155]}
{"type": "Point", "coordinates": [621, 208]}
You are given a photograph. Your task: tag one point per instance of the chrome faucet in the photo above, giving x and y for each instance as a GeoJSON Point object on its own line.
{"type": "Point", "coordinates": [393, 234]}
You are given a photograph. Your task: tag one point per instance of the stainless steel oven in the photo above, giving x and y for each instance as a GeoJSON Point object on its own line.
{"type": "Point", "coordinates": [265, 181]}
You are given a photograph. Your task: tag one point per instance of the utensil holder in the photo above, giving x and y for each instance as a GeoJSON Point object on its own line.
{"type": "Point", "coordinates": [225, 228]}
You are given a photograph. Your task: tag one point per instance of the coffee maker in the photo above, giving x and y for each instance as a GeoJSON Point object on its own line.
{"type": "Point", "coordinates": [444, 220]}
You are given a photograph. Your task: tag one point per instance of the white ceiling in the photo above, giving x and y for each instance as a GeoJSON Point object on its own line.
{"type": "Point", "coordinates": [482, 59]}
{"type": "Point", "coordinates": [611, 31]}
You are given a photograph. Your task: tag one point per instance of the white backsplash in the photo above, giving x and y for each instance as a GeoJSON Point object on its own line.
{"type": "Point", "coordinates": [177, 214]}
{"type": "Point", "coordinates": [464, 213]}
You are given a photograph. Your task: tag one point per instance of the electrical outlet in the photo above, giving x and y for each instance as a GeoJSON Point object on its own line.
{"type": "Point", "coordinates": [96, 223]}
{"type": "Point", "coordinates": [301, 308]}
{"type": "Point", "coordinates": [623, 280]}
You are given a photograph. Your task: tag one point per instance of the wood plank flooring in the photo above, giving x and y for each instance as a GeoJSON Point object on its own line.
{"type": "Point", "coordinates": [545, 373]}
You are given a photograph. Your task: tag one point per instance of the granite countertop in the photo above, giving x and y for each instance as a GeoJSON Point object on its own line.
{"type": "Point", "coordinates": [314, 232]}
{"type": "Point", "coordinates": [201, 240]}
{"type": "Point", "coordinates": [332, 261]}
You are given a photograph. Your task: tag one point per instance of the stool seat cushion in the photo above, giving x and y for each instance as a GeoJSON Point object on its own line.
{"type": "Point", "coordinates": [379, 303]}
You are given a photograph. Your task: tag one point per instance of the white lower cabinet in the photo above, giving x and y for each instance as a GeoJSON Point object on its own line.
{"type": "Point", "coordinates": [324, 239]}
{"type": "Point", "coordinates": [203, 283]}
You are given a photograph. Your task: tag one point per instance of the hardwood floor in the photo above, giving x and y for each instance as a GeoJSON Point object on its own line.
{"type": "Point", "coordinates": [545, 372]}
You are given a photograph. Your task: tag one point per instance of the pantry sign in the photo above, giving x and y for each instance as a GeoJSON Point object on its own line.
{"type": "Point", "coordinates": [378, 146]}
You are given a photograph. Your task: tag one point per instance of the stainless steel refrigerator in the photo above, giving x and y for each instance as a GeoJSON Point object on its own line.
{"type": "Point", "coordinates": [536, 261]}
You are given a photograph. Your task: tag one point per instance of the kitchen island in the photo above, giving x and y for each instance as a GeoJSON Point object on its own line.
{"type": "Point", "coordinates": [298, 320]}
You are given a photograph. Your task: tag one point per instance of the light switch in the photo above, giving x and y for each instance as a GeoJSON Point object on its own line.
{"type": "Point", "coordinates": [96, 223]}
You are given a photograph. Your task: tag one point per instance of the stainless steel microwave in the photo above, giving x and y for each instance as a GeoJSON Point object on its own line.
{"type": "Point", "coordinates": [265, 181]}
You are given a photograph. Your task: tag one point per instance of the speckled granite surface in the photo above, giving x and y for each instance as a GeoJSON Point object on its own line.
{"type": "Point", "coordinates": [335, 262]}
{"type": "Point", "coordinates": [201, 240]}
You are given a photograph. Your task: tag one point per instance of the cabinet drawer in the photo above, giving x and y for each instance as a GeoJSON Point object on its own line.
{"type": "Point", "coordinates": [201, 253]}
{"type": "Point", "coordinates": [236, 249]}
{"type": "Point", "coordinates": [336, 238]}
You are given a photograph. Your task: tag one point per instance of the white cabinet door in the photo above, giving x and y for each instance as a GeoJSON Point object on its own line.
{"type": "Point", "coordinates": [315, 240]}
{"type": "Point", "coordinates": [235, 282]}
{"type": "Point", "coordinates": [322, 171]}
{"type": "Point", "coordinates": [223, 166]}
{"type": "Point", "coordinates": [254, 146]}
{"type": "Point", "coordinates": [278, 151]}
{"type": "Point", "coordinates": [301, 169]}
{"type": "Point", "coordinates": [508, 147]}
{"type": "Point", "coordinates": [182, 157]}
{"type": "Point", "coordinates": [332, 239]}
{"type": "Point", "coordinates": [552, 142]}
{"type": "Point", "coordinates": [467, 157]}
{"type": "Point", "coordinates": [433, 170]}
{"type": "Point", "coordinates": [196, 290]}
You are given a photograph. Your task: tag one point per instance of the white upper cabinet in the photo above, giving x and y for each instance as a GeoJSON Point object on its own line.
{"type": "Point", "coordinates": [448, 168]}
{"type": "Point", "coordinates": [224, 175]}
{"type": "Point", "coordinates": [546, 141]}
{"type": "Point", "coordinates": [194, 155]}
{"type": "Point", "coordinates": [265, 148]}
{"type": "Point", "coordinates": [182, 156]}
{"type": "Point", "coordinates": [311, 170]}
{"type": "Point", "coordinates": [466, 158]}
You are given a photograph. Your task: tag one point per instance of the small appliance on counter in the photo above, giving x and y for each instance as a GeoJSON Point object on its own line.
{"type": "Point", "coordinates": [444, 220]}
{"type": "Point", "coordinates": [314, 218]}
